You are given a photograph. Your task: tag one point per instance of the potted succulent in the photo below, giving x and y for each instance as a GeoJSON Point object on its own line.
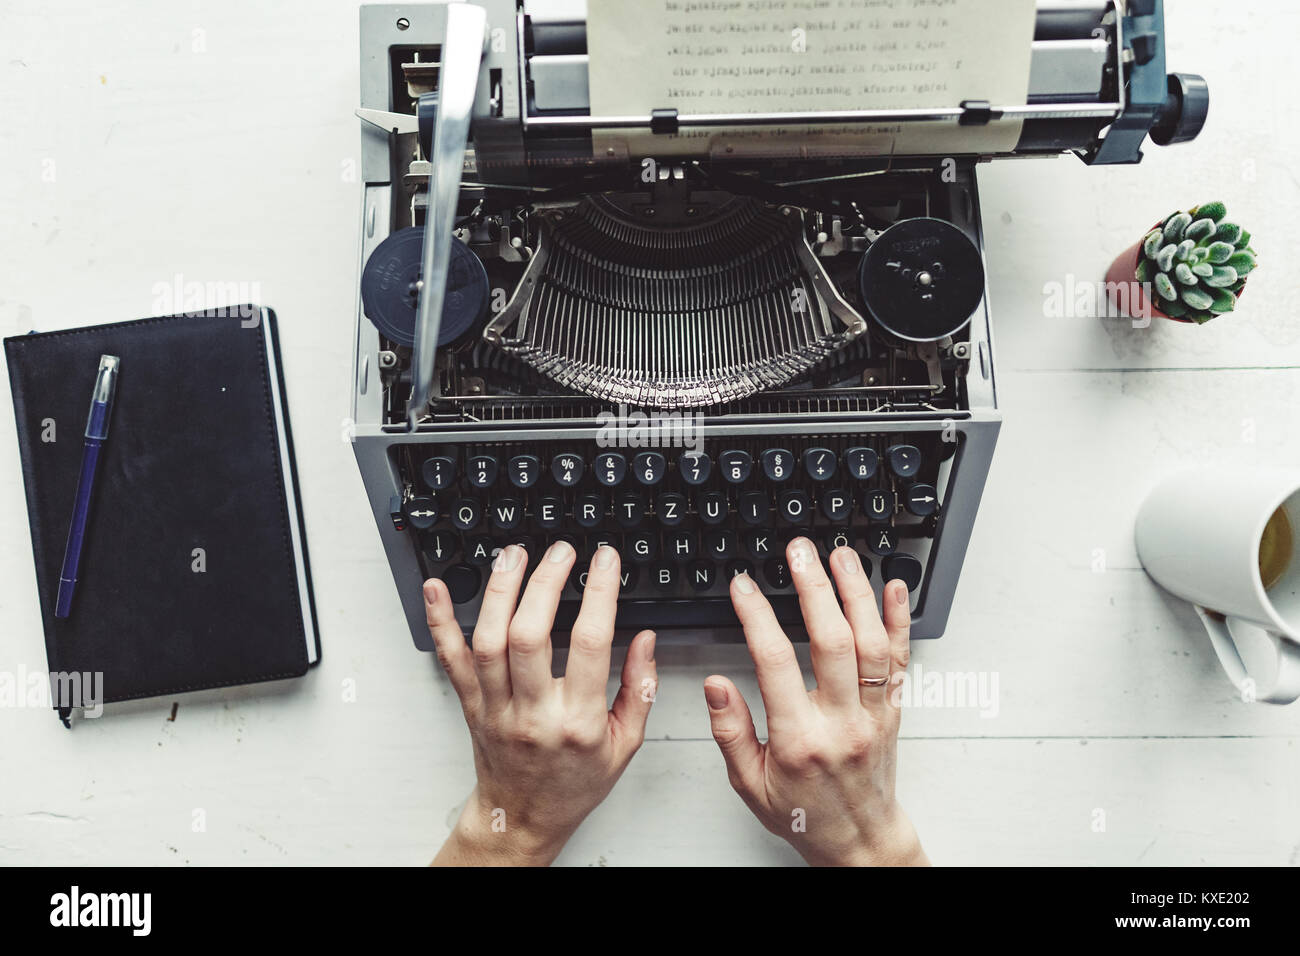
{"type": "Point", "coordinates": [1190, 267]}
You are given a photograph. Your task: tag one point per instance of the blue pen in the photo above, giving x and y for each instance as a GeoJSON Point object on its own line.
{"type": "Point", "coordinates": [101, 406]}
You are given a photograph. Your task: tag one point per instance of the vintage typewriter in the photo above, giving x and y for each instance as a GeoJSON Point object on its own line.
{"type": "Point", "coordinates": [693, 359]}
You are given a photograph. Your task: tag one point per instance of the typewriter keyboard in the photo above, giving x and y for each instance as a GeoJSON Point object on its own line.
{"type": "Point", "coordinates": [683, 520]}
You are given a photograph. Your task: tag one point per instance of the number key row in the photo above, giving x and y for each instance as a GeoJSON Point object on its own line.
{"type": "Point", "coordinates": [611, 469]}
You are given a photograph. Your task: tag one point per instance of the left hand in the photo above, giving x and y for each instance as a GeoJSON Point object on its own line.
{"type": "Point", "coordinates": [547, 750]}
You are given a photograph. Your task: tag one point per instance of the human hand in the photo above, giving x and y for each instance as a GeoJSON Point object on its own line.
{"type": "Point", "coordinates": [547, 750]}
{"type": "Point", "coordinates": [824, 781]}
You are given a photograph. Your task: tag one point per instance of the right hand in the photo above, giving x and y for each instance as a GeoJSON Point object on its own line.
{"type": "Point", "coordinates": [824, 781]}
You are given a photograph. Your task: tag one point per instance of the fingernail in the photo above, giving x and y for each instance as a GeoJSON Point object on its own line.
{"type": "Point", "coordinates": [715, 695]}
{"type": "Point", "coordinates": [900, 592]}
{"type": "Point", "coordinates": [506, 559]}
{"type": "Point", "coordinates": [744, 583]}
{"type": "Point", "coordinates": [604, 556]}
{"type": "Point", "coordinates": [801, 554]}
{"type": "Point", "coordinates": [650, 647]}
{"type": "Point", "coordinates": [849, 561]}
{"type": "Point", "coordinates": [430, 592]}
{"type": "Point", "coordinates": [559, 552]}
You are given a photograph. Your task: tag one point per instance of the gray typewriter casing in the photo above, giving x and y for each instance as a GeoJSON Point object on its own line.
{"type": "Point", "coordinates": [1066, 111]}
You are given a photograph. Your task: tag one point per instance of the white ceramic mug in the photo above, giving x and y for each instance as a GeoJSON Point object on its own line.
{"type": "Point", "coordinates": [1198, 535]}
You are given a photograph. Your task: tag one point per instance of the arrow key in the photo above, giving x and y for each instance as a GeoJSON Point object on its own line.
{"type": "Point", "coordinates": [421, 512]}
{"type": "Point", "coordinates": [439, 546]}
{"type": "Point", "coordinates": [922, 500]}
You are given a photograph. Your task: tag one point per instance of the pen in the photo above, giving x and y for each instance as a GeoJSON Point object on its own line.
{"type": "Point", "coordinates": [101, 405]}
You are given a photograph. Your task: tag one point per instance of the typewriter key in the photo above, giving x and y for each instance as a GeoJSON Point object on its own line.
{"type": "Point", "coordinates": [422, 512]}
{"type": "Point", "coordinates": [922, 500]}
{"type": "Point", "coordinates": [649, 467]}
{"type": "Point", "coordinates": [482, 471]}
{"type": "Point", "coordinates": [671, 508]}
{"type": "Point", "coordinates": [439, 472]}
{"type": "Point", "coordinates": [390, 289]}
{"type": "Point", "coordinates": [736, 466]}
{"type": "Point", "coordinates": [878, 505]}
{"type": "Point", "coordinates": [795, 507]}
{"type": "Point", "coordinates": [882, 539]}
{"type": "Point", "coordinates": [837, 505]}
{"type": "Point", "coordinates": [550, 512]}
{"type": "Point", "coordinates": [627, 578]}
{"type": "Point", "coordinates": [904, 460]}
{"type": "Point", "coordinates": [643, 546]}
{"type": "Point", "coordinates": [630, 509]}
{"type": "Point", "coordinates": [720, 545]}
{"type": "Point", "coordinates": [819, 463]}
{"type": "Point", "coordinates": [695, 467]}
{"type": "Point", "coordinates": [588, 510]}
{"type": "Point", "coordinates": [524, 470]}
{"type": "Point", "coordinates": [761, 543]}
{"type": "Point", "coordinates": [462, 582]}
{"type": "Point", "coordinates": [567, 469]}
{"type": "Point", "coordinates": [440, 546]}
{"type": "Point", "coordinates": [753, 507]}
{"type": "Point", "coordinates": [907, 568]}
{"type": "Point", "coordinates": [922, 279]}
{"type": "Point", "coordinates": [505, 514]}
{"type": "Point", "coordinates": [777, 573]}
{"type": "Point", "coordinates": [702, 575]}
{"type": "Point", "coordinates": [681, 545]}
{"type": "Point", "coordinates": [712, 507]}
{"type": "Point", "coordinates": [861, 462]}
{"type": "Point", "coordinates": [740, 566]}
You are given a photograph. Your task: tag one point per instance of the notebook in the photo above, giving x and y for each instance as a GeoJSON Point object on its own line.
{"type": "Point", "coordinates": [194, 571]}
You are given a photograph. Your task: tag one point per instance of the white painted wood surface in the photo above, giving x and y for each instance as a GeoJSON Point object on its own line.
{"type": "Point", "coordinates": [213, 143]}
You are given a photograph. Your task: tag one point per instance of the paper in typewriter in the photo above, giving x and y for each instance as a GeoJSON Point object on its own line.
{"type": "Point", "coordinates": [748, 56]}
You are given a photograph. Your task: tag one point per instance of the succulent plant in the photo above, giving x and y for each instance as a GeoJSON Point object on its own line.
{"type": "Point", "coordinates": [1197, 263]}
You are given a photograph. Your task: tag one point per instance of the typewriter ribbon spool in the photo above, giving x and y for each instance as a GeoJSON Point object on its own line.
{"type": "Point", "coordinates": [390, 285]}
{"type": "Point", "coordinates": [922, 279]}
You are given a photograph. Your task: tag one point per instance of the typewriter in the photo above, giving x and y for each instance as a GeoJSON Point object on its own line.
{"type": "Point", "coordinates": [697, 358]}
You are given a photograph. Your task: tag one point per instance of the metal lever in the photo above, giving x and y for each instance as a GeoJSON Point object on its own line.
{"type": "Point", "coordinates": [462, 55]}
{"type": "Point", "coordinates": [390, 122]}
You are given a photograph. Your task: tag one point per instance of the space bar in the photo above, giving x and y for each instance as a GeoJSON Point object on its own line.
{"type": "Point", "coordinates": [634, 614]}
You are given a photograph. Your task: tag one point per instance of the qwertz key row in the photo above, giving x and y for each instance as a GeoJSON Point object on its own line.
{"type": "Point", "coordinates": [684, 521]}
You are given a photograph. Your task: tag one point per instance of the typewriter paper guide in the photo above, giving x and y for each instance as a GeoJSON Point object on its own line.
{"type": "Point", "coordinates": [738, 56]}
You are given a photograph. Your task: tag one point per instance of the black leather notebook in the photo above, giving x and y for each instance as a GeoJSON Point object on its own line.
{"type": "Point", "coordinates": [194, 570]}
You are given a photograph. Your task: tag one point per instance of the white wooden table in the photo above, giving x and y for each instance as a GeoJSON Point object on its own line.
{"type": "Point", "coordinates": [149, 140]}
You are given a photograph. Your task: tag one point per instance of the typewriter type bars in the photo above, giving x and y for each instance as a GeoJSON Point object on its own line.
{"type": "Point", "coordinates": [689, 316]}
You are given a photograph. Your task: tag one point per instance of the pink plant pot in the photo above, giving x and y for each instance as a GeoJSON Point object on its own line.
{"type": "Point", "coordinates": [1124, 270]}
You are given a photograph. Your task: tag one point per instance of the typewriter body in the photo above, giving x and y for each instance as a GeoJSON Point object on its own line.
{"type": "Point", "coordinates": [691, 359]}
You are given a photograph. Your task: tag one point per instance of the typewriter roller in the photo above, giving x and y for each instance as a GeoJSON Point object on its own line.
{"type": "Point", "coordinates": [697, 358]}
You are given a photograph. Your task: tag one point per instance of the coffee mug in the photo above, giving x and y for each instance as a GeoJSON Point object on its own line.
{"type": "Point", "coordinates": [1228, 540]}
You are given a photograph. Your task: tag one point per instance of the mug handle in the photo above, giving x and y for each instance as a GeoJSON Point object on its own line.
{"type": "Point", "coordinates": [1225, 635]}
